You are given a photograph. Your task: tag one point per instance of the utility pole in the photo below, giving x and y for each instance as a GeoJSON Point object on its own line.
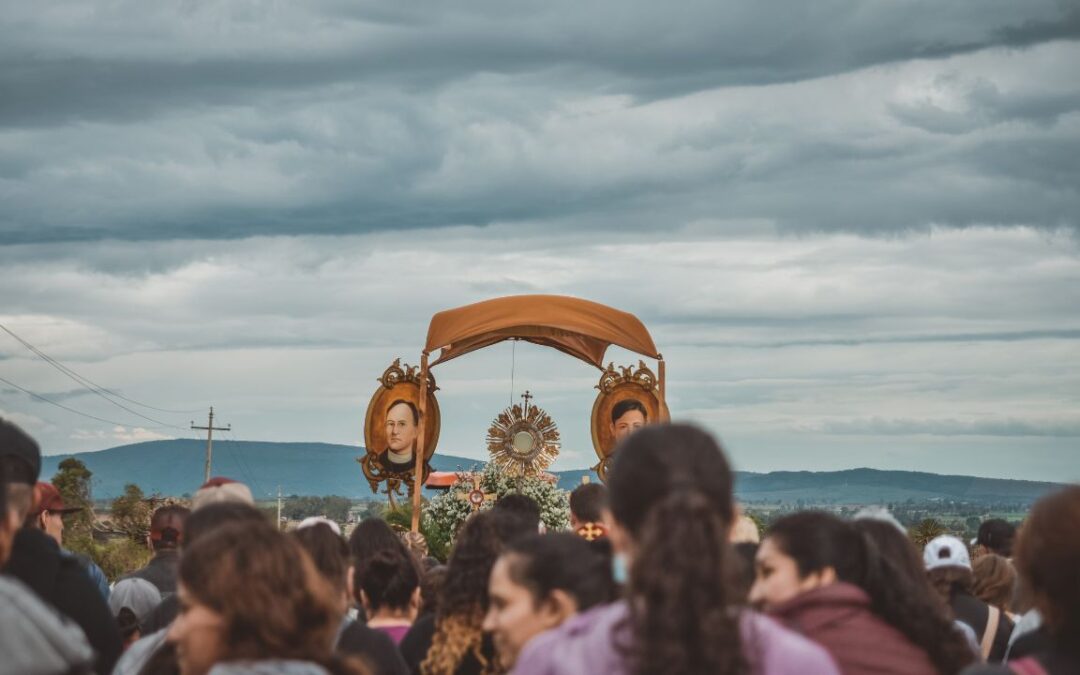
{"type": "Point", "coordinates": [210, 429]}
{"type": "Point", "coordinates": [279, 507]}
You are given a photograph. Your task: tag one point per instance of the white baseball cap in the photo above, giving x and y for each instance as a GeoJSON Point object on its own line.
{"type": "Point", "coordinates": [946, 551]}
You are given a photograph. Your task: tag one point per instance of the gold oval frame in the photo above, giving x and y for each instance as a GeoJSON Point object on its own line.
{"type": "Point", "coordinates": [397, 382]}
{"type": "Point", "coordinates": [618, 385]}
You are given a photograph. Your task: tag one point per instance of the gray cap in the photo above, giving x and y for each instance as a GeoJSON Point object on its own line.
{"type": "Point", "coordinates": [138, 595]}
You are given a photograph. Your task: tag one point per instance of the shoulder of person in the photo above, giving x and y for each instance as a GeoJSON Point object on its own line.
{"type": "Point", "coordinates": [372, 645]}
{"type": "Point", "coordinates": [34, 635]}
{"type": "Point", "coordinates": [138, 654]}
{"type": "Point", "coordinates": [776, 650]}
{"type": "Point", "coordinates": [268, 667]}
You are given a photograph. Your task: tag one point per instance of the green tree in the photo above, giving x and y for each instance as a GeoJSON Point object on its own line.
{"type": "Point", "coordinates": [72, 480]}
{"type": "Point", "coordinates": [131, 513]}
{"type": "Point", "coordinates": [926, 530]}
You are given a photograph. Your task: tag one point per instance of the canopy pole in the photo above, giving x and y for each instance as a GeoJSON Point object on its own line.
{"type": "Point", "coordinates": [421, 450]}
{"type": "Point", "coordinates": [661, 381]}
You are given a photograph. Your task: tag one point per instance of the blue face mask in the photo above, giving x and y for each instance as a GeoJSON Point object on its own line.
{"type": "Point", "coordinates": [619, 571]}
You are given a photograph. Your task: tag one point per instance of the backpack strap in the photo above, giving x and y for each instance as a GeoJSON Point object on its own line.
{"type": "Point", "coordinates": [990, 632]}
{"type": "Point", "coordinates": [1027, 666]}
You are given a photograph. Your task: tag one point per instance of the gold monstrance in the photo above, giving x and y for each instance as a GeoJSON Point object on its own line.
{"type": "Point", "coordinates": [523, 440]}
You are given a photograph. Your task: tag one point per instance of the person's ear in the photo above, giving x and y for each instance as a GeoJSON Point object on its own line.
{"type": "Point", "coordinates": [350, 585]}
{"type": "Point", "coordinates": [619, 537]}
{"type": "Point", "coordinates": [364, 602]}
{"type": "Point", "coordinates": [414, 602]}
{"type": "Point", "coordinates": [557, 608]}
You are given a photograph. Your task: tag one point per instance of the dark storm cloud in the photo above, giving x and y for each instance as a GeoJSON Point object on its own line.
{"type": "Point", "coordinates": [650, 50]}
{"type": "Point", "coordinates": [140, 122]}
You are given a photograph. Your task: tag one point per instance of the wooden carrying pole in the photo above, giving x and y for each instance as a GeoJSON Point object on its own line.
{"type": "Point", "coordinates": [421, 449]}
{"type": "Point", "coordinates": [661, 382]}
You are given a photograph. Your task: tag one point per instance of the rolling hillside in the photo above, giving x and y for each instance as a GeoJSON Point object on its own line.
{"type": "Point", "coordinates": [176, 467]}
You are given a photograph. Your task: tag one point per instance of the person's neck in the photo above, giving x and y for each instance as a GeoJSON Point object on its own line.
{"type": "Point", "coordinates": [400, 457]}
{"type": "Point", "coordinates": [388, 619]}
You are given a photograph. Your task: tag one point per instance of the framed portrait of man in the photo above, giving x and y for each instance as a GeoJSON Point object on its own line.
{"type": "Point", "coordinates": [629, 399]}
{"type": "Point", "coordinates": [392, 429]}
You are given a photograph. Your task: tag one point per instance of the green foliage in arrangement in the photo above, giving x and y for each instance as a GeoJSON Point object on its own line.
{"type": "Point", "coordinates": [443, 515]}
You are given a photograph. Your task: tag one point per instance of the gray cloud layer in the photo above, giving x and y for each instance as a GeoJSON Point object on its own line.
{"type": "Point", "coordinates": [849, 225]}
{"type": "Point", "coordinates": [143, 122]}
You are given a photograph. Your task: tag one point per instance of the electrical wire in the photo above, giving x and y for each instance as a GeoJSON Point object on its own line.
{"type": "Point", "coordinates": [61, 405]}
{"type": "Point", "coordinates": [93, 386]}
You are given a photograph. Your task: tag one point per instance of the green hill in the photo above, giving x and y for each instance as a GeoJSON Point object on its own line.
{"type": "Point", "coordinates": [175, 467]}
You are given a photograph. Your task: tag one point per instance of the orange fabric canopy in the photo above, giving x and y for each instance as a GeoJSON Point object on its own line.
{"type": "Point", "coordinates": [580, 328]}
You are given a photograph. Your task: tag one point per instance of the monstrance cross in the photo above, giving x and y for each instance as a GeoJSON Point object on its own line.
{"type": "Point", "coordinates": [476, 497]}
{"type": "Point", "coordinates": [528, 397]}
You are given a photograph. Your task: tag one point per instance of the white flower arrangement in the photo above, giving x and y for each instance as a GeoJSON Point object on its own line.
{"type": "Point", "coordinates": [445, 513]}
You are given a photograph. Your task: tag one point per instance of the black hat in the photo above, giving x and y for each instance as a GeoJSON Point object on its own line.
{"type": "Point", "coordinates": [14, 442]}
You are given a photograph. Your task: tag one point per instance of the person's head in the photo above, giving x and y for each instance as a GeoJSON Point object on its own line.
{"type": "Point", "coordinates": [248, 592]}
{"type": "Point", "coordinates": [995, 581]}
{"type": "Point", "coordinates": [587, 504]}
{"type": "Point", "coordinates": [670, 512]}
{"type": "Point", "coordinates": [9, 521]}
{"type": "Point", "coordinates": [221, 489]}
{"type": "Point", "coordinates": [131, 600]}
{"type": "Point", "coordinates": [205, 520]}
{"type": "Point", "coordinates": [20, 460]}
{"type": "Point", "coordinates": [402, 425]}
{"type": "Point", "coordinates": [995, 536]}
{"type": "Point", "coordinates": [1048, 557]}
{"type": "Point", "coordinates": [627, 416]}
{"type": "Point", "coordinates": [519, 515]}
{"type": "Point", "coordinates": [330, 555]}
{"type": "Point", "coordinates": [167, 527]}
{"type": "Point", "coordinates": [388, 585]}
{"type": "Point", "coordinates": [539, 582]}
{"type": "Point", "coordinates": [901, 593]}
{"type": "Point", "coordinates": [802, 552]}
{"type": "Point", "coordinates": [370, 536]}
{"type": "Point", "coordinates": [464, 598]}
{"type": "Point", "coordinates": [948, 566]}
{"type": "Point", "coordinates": [430, 589]}
{"type": "Point", "coordinates": [49, 511]}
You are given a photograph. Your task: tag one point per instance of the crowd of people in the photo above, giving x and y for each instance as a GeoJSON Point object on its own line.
{"type": "Point", "coordinates": [659, 574]}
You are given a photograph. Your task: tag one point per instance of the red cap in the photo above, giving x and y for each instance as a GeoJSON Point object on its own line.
{"type": "Point", "coordinates": [47, 498]}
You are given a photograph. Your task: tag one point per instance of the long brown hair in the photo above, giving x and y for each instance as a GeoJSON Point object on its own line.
{"type": "Point", "coordinates": [995, 581]}
{"type": "Point", "coordinates": [1048, 557]}
{"type": "Point", "coordinates": [272, 601]}
{"type": "Point", "coordinates": [671, 488]}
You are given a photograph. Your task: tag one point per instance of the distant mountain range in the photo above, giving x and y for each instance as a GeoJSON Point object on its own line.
{"type": "Point", "coordinates": [175, 467]}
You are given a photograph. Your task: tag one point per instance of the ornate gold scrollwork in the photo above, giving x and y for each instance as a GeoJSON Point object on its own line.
{"type": "Point", "coordinates": [618, 383]}
{"type": "Point", "coordinates": [397, 382]}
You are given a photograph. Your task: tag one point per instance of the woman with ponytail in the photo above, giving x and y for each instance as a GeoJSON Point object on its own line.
{"type": "Point", "coordinates": [670, 513]}
{"type": "Point", "coordinates": [825, 578]}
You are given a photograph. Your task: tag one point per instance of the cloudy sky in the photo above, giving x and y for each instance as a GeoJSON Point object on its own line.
{"type": "Point", "coordinates": [851, 227]}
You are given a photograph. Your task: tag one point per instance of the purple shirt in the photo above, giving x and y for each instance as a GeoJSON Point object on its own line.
{"type": "Point", "coordinates": [396, 633]}
{"type": "Point", "coordinates": [585, 645]}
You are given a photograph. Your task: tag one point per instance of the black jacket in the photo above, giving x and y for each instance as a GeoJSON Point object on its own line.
{"type": "Point", "coordinates": [160, 571]}
{"type": "Point", "coordinates": [62, 582]}
{"type": "Point", "coordinates": [976, 613]}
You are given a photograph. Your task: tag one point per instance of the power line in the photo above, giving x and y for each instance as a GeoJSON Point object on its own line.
{"type": "Point", "coordinates": [89, 384]}
{"type": "Point", "coordinates": [61, 405]}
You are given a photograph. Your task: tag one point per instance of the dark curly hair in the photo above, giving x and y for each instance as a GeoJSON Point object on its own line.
{"type": "Point", "coordinates": [671, 489]}
{"type": "Point", "coordinates": [464, 598]}
{"type": "Point", "coordinates": [388, 579]}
